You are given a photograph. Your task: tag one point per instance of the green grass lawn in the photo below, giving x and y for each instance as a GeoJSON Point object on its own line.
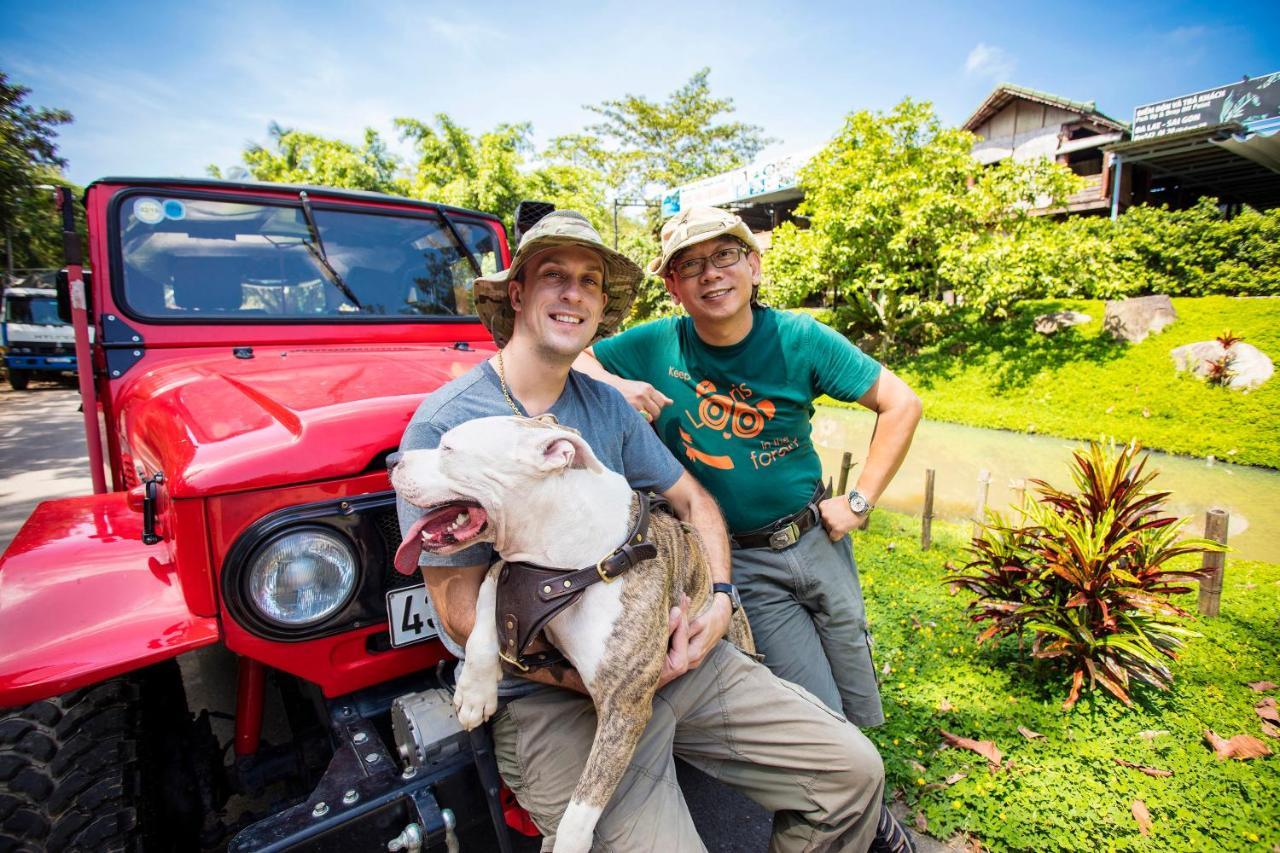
{"type": "Point", "coordinates": [1082, 384]}
{"type": "Point", "coordinates": [1065, 791]}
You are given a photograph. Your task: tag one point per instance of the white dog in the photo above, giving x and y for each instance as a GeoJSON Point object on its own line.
{"type": "Point", "coordinates": [537, 492]}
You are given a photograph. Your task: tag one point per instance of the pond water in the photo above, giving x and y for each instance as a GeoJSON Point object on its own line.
{"type": "Point", "coordinates": [958, 453]}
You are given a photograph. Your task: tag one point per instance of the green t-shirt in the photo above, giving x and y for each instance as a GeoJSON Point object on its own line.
{"type": "Point", "coordinates": [740, 420]}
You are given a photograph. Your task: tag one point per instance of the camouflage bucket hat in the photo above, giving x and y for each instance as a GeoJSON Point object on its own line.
{"type": "Point", "coordinates": [558, 228]}
{"type": "Point", "coordinates": [696, 225]}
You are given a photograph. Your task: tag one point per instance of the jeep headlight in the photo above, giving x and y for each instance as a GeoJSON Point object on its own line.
{"type": "Point", "coordinates": [302, 578]}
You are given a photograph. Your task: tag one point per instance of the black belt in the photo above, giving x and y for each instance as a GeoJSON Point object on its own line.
{"type": "Point", "coordinates": [784, 532]}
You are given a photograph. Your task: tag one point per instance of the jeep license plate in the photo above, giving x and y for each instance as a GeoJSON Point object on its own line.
{"type": "Point", "coordinates": [409, 617]}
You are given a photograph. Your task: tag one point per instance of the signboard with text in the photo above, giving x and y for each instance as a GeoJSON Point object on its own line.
{"type": "Point", "coordinates": [1250, 100]}
{"type": "Point", "coordinates": [743, 184]}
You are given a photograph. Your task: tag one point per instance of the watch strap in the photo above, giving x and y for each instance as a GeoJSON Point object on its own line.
{"type": "Point", "coordinates": [729, 590]}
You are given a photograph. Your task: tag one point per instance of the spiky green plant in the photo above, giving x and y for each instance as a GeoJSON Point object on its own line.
{"type": "Point", "coordinates": [1086, 572]}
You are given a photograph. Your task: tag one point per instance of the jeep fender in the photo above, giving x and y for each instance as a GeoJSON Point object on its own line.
{"type": "Point", "coordinates": [82, 600]}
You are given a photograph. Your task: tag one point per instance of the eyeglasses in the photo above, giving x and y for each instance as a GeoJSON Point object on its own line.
{"type": "Point", "coordinates": [690, 267]}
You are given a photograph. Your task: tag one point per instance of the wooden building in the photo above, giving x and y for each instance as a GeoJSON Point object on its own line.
{"type": "Point", "coordinates": [1024, 124]}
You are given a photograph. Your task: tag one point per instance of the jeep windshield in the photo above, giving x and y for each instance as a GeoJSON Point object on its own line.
{"type": "Point", "coordinates": [194, 259]}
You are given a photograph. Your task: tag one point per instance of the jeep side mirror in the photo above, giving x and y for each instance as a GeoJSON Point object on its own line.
{"type": "Point", "coordinates": [63, 288]}
{"type": "Point", "coordinates": [527, 215]}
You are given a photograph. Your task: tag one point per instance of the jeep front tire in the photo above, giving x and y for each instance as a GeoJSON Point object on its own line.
{"type": "Point", "coordinates": [88, 770]}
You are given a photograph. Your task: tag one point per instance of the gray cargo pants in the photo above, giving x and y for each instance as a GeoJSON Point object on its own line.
{"type": "Point", "coordinates": [807, 617]}
{"type": "Point", "coordinates": [730, 718]}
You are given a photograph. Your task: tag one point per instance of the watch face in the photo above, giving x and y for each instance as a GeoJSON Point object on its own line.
{"type": "Point", "coordinates": [857, 503]}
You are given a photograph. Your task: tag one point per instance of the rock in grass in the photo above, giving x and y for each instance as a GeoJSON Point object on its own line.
{"type": "Point", "coordinates": [1047, 324]}
{"type": "Point", "coordinates": [1133, 319]}
{"type": "Point", "coordinates": [1250, 366]}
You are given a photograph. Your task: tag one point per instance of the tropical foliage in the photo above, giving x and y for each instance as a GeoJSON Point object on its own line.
{"type": "Point", "coordinates": [892, 202]}
{"type": "Point", "coordinates": [904, 225]}
{"type": "Point", "coordinates": [29, 165]}
{"type": "Point", "coordinates": [1087, 575]}
{"type": "Point", "coordinates": [637, 144]}
{"type": "Point", "coordinates": [1067, 780]}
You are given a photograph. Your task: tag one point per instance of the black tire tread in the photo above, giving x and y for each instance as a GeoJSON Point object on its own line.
{"type": "Point", "coordinates": [72, 767]}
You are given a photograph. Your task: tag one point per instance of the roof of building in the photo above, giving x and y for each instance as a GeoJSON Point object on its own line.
{"type": "Point", "coordinates": [1006, 93]}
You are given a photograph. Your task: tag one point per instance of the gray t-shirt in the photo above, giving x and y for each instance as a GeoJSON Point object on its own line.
{"type": "Point", "coordinates": [621, 439]}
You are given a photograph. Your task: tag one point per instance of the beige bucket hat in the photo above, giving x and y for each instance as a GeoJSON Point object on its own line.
{"type": "Point", "coordinates": [558, 228]}
{"type": "Point", "coordinates": [695, 225]}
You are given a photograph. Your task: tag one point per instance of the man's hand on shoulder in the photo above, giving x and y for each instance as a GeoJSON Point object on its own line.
{"type": "Point", "coordinates": [838, 518]}
{"type": "Point", "coordinates": [642, 396]}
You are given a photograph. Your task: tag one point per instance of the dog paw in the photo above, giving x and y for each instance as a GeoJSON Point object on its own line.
{"type": "Point", "coordinates": [475, 700]}
{"type": "Point", "coordinates": [576, 829]}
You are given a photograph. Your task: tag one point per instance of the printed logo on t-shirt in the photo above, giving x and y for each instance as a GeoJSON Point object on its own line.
{"type": "Point", "coordinates": [729, 415]}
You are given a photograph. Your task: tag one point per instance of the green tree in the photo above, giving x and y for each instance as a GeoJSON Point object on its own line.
{"type": "Point", "coordinates": [297, 157]}
{"type": "Point", "coordinates": [890, 201]}
{"type": "Point", "coordinates": [29, 163]}
{"type": "Point", "coordinates": [642, 144]}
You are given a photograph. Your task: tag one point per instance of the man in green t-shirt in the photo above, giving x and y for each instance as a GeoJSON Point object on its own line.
{"type": "Point", "coordinates": [730, 390]}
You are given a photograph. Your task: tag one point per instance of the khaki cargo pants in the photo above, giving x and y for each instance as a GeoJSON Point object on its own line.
{"type": "Point", "coordinates": [807, 616]}
{"type": "Point", "coordinates": [731, 718]}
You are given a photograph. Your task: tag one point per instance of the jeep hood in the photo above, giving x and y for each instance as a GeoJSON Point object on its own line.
{"type": "Point", "coordinates": [216, 424]}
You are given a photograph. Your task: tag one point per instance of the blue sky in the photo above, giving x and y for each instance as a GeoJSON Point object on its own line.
{"type": "Point", "coordinates": [166, 89]}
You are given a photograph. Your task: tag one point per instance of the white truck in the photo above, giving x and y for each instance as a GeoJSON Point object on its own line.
{"type": "Point", "coordinates": [37, 342]}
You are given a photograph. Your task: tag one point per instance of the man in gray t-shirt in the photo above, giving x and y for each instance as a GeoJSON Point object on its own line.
{"type": "Point", "coordinates": [621, 440]}
{"type": "Point", "coordinates": [715, 707]}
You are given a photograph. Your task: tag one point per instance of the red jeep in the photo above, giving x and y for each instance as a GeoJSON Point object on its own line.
{"type": "Point", "coordinates": [258, 350]}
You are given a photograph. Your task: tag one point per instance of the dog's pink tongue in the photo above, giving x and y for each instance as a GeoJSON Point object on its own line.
{"type": "Point", "coordinates": [410, 549]}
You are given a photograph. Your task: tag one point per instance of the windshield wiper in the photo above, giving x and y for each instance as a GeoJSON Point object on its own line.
{"type": "Point", "coordinates": [457, 241]}
{"type": "Point", "coordinates": [316, 246]}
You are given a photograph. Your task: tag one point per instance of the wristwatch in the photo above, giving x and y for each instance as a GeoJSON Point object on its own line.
{"type": "Point", "coordinates": [859, 504]}
{"type": "Point", "coordinates": [730, 590]}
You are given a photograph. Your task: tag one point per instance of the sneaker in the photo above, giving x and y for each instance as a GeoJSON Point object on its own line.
{"type": "Point", "coordinates": [891, 836]}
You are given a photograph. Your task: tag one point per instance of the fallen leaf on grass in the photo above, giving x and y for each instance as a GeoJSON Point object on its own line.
{"type": "Point", "coordinates": [1142, 816]}
{"type": "Point", "coordinates": [955, 777]}
{"type": "Point", "coordinates": [1152, 734]}
{"type": "Point", "coordinates": [945, 706]}
{"type": "Point", "coordinates": [1028, 734]}
{"type": "Point", "coordinates": [884, 670]}
{"type": "Point", "coordinates": [1270, 730]}
{"type": "Point", "coordinates": [1240, 747]}
{"type": "Point", "coordinates": [953, 588]}
{"type": "Point", "coordinates": [922, 823]}
{"type": "Point", "coordinates": [985, 748]}
{"type": "Point", "coordinates": [918, 767]}
{"type": "Point", "coordinates": [1262, 686]}
{"type": "Point", "coordinates": [1266, 709]}
{"type": "Point", "coordinates": [1150, 771]}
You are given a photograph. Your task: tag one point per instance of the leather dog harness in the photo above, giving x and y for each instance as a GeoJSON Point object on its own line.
{"type": "Point", "coordinates": [530, 596]}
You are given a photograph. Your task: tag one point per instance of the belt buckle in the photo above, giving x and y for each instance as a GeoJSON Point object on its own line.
{"type": "Point", "coordinates": [600, 571]}
{"type": "Point", "coordinates": [784, 537]}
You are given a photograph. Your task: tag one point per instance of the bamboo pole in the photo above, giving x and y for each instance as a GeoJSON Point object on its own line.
{"type": "Point", "coordinates": [926, 521]}
{"type": "Point", "coordinates": [1215, 528]}
{"type": "Point", "coordinates": [1019, 492]}
{"type": "Point", "coordinates": [980, 506]}
{"type": "Point", "coordinates": [845, 464]}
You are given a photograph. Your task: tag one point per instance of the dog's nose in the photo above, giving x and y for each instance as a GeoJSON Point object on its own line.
{"type": "Point", "coordinates": [393, 460]}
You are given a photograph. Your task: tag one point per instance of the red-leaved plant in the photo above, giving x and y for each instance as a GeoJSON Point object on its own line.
{"type": "Point", "coordinates": [1086, 572]}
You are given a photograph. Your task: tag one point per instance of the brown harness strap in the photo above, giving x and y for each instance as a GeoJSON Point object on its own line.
{"type": "Point", "coordinates": [530, 596]}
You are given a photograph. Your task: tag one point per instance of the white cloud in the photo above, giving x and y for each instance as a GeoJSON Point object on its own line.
{"type": "Point", "coordinates": [989, 61]}
{"type": "Point", "coordinates": [466, 37]}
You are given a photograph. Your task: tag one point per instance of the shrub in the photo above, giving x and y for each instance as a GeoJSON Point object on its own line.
{"type": "Point", "coordinates": [1086, 573]}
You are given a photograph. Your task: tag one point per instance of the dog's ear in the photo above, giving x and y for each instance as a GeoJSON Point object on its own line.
{"type": "Point", "coordinates": [559, 451]}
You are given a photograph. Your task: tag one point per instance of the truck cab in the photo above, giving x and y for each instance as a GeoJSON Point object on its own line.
{"type": "Point", "coordinates": [37, 341]}
{"type": "Point", "coordinates": [257, 351]}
